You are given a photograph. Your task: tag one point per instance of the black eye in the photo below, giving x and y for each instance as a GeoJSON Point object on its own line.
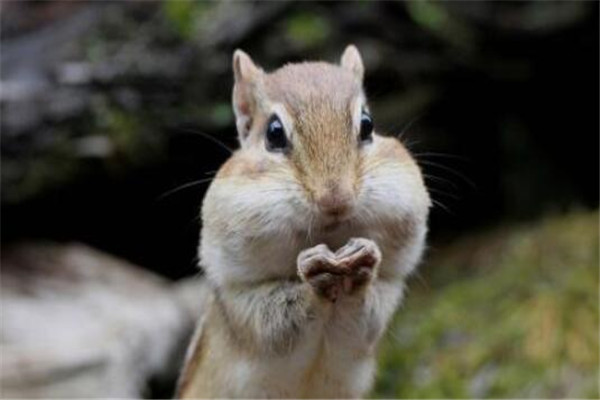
{"type": "Point", "coordinates": [276, 139]}
{"type": "Point", "coordinates": [366, 127]}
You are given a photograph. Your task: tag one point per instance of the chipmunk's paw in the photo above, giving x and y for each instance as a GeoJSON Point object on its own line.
{"type": "Point", "coordinates": [347, 270]}
{"type": "Point", "coordinates": [359, 259]}
{"type": "Point", "coordinates": [318, 267]}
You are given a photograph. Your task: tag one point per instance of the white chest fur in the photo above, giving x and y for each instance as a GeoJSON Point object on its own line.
{"type": "Point", "coordinates": [335, 358]}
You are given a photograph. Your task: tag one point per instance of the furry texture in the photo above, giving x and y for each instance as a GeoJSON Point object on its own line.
{"type": "Point", "coordinates": [269, 330]}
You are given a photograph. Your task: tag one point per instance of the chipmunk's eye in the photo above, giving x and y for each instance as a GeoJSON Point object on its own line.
{"type": "Point", "coordinates": [276, 139]}
{"type": "Point", "coordinates": [366, 127]}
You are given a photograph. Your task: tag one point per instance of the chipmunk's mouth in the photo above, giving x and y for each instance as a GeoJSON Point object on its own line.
{"type": "Point", "coordinates": [331, 224]}
{"type": "Point", "coordinates": [335, 233]}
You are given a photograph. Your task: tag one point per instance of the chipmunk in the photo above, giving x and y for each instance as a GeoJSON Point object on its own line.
{"type": "Point", "coordinates": [309, 231]}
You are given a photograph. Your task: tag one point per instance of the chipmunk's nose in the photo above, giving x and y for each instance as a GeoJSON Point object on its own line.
{"type": "Point", "coordinates": [334, 200]}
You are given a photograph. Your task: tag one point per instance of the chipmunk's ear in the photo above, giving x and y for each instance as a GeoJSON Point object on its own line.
{"type": "Point", "coordinates": [352, 61]}
{"type": "Point", "coordinates": [245, 97]}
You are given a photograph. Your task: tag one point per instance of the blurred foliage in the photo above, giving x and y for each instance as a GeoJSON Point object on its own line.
{"type": "Point", "coordinates": [128, 134]}
{"type": "Point", "coordinates": [511, 313]}
{"type": "Point", "coordinates": [307, 29]}
{"type": "Point", "coordinates": [185, 16]}
{"type": "Point", "coordinates": [46, 171]}
{"type": "Point", "coordinates": [435, 18]}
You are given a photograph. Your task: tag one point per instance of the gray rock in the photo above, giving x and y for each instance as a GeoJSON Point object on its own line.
{"type": "Point", "coordinates": [80, 323]}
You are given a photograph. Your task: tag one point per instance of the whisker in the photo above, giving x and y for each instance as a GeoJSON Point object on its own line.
{"type": "Point", "coordinates": [440, 179]}
{"type": "Point", "coordinates": [409, 144]}
{"type": "Point", "coordinates": [373, 165]}
{"type": "Point", "coordinates": [442, 192]}
{"type": "Point", "coordinates": [309, 231]}
{"type": "Point", "coordinates": [442, 206]}
{"type": "Point", "coordinates": [441, 155]}
{"type": "Point", "coordinates": [184, 186]}
{"type": "Point", "coordinates": [409, 125]}
{"type": "Point", "coordinates": [448, 169]}
{"type": "Point", "coordinates": [209, 137]}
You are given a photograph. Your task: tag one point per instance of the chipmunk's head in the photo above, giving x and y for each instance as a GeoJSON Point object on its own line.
{"type": "Point", "coordinates": [309, 153]}
{"type": "Point", "coordinates": [313, 120]}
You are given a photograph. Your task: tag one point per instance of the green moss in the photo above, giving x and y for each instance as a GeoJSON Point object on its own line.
{"type": "Point", "coordinates": [307, 29]}
{"type": "Point", "coordinates": [435, 18]}
{"type": "Point", "coordinates": [131, 134]}
{"type": "Point", "coordinates": [221, 115]}
{"type": "Point", "coordinates": [515, 315]}
{"type": "Point", "coordinates": [184, 15]}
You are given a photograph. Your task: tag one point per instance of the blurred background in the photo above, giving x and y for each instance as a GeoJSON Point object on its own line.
{"type": "Point", "coordinates": [110, 109]}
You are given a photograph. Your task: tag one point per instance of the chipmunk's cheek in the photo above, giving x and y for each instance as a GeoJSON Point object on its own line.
{"type": "Point", "coordinates": [382, 197]}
